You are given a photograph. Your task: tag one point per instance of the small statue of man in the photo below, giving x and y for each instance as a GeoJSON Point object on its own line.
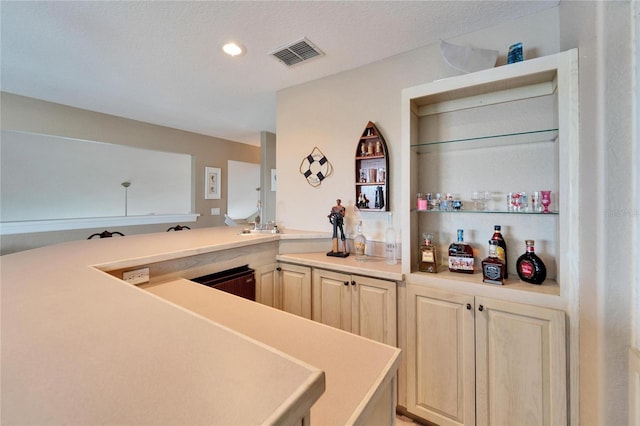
{"type": "Point", "coordinates": [336, 218]}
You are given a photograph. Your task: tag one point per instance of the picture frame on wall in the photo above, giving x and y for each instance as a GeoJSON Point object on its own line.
{"type": "Point", "coordinates": [212, 183]}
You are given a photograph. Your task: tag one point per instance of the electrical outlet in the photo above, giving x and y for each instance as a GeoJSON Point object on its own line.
{"type": "Point", "coordinates": [215, 211]}
{"type": "Point", "coordinates": [137, 276]}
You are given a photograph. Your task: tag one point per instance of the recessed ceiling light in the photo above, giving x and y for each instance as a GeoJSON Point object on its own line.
{"type": "Point", "coordinates": [233, 49]}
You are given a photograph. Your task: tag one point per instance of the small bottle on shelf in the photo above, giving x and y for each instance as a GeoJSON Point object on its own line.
{"type": "Point", "coordinates": [428, 255]}
{"type": "Point", "coordinates": [530, 267]}
{"type": "Point", "coordinates": [390, 244]}
{"type": "Point", "coordinates": [501, 249]}
{"type": "Point", "coordinates": [493, 267]}
{"type": "Point", "coordinates": [360, 244]}
{"type": "Point", "coordinates": [461, 256]}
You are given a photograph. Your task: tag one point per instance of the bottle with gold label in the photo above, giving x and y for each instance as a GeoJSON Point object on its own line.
{"type": "Point", "coordinates": [428, 255]}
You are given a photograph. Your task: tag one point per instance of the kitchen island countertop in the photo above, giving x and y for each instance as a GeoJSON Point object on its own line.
{"type": "Point", "coordinates": [80, 346]}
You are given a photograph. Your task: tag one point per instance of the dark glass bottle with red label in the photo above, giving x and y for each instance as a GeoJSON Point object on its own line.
{"type": "Point", "coordinates": [501, 249]}
{"type": "Point", "coordinates": [461, 256]}
{"type": "Point", "coordinates": [530, 267]}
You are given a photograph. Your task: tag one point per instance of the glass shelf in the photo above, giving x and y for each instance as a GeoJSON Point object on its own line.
{"type": "Point", "coordinates": [551, 213]}
{"type": "Point", "coordinates": [517, 138]}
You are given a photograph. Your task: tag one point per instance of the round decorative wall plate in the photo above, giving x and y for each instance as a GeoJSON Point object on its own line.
{"type": "Point", "coordinates": [315, 167]}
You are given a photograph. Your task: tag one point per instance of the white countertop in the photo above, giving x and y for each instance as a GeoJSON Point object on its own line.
{"type": "Point", "coordinates": [80, 346]}
{"type": "Point", "coordinates": [372, 266]}
{"type": "Point", "coordinates": [355, 367]}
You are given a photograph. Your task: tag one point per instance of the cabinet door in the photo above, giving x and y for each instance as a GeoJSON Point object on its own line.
{"type": "Point", "coordinates": [266, 285]}
{"type": "Point", "coordinates": [374, 309]}
{"type": "Point", "coordinates": [440, 356]}
{"type": "Point", "coordinates": [295, 289]}
{"type": "Point", "coordinates": [521, 364]}
{"type": "Point", "coordinates": [332, 294]}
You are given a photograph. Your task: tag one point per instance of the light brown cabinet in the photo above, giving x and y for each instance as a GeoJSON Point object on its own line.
{"type": "Point", "coordinates": [266, 285]}
{"type": "Point", "coordinates": [295, 289]}
{"type": "Point", "coordinates": [362, 305]}
{"type": "Point", "coordinates": [286, 287]}
{"type": "Point", "coordinates": [477, 360]}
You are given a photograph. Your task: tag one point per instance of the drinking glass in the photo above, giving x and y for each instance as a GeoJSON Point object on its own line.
{"type": "Point", "coordinates": [545, 200]}
{"type": "Point", "coordinates": [535, 202]}
{"type": "Point", "coordinates": [480, 199]}
{"type": "Point", "coordinates": [516, 201]}
{"type": "Point", "coordinates": [486, 197]}
{"type": "Point", "coordinates": [475, 197]}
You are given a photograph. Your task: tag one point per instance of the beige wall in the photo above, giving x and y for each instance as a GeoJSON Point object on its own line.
{"type": "Point", "coordinates": [331, 113]}
{"type": "Point", "coordinates": [602, 32]}
{"type": "Point", "coordinates": [32, 115]}
{"type": "Point", "coordinates": [267, 162]}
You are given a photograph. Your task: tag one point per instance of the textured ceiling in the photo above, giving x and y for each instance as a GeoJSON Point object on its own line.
{"type": "Point", "coordinates": [160, 62]}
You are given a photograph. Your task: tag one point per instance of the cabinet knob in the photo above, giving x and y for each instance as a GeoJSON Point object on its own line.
{"type": "Point", "coordinates": [278, 269]}
{"type": "Point", "coordinates": [480, 308]}
{"type": "Point", "coordinates": [468, 306]}
{"type": "Point", "coordinates": [353, 283]}
{"type": "Point", "coordinates": [346, 283]}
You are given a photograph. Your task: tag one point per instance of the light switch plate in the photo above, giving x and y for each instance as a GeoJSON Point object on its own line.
{"type": "Point", "coordinates": [215, 211]}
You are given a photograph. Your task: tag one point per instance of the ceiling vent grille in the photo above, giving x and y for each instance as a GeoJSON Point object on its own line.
{"type": "Point", "coordinates": [296, 52]}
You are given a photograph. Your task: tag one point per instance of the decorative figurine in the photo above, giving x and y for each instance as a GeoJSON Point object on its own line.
{"type": "Point", "coordinates": [336, 218]}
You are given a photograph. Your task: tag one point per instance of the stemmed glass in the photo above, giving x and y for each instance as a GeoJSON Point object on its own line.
{"type": "Point", "coordinates": [545, 200]}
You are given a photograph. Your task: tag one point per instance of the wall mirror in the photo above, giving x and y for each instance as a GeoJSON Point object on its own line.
{"type": "Point", "coordinates": [243, 189]}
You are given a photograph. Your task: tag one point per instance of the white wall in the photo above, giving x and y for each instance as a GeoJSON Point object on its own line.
{"type": "Point", "coordinates": [331, 114]}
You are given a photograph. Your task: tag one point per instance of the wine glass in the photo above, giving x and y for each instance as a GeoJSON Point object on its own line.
{"type": "Point", "coordinates": [545, 200]}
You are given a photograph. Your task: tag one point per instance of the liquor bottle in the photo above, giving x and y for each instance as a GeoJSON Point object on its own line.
{"type": "Point", "coordinates": [429, 255]}
{"type": "Point", "coordinates": [501, 250]}
{"type": "Point", "coordinates": [461, 256]}
{"type": "Point", "coordinates": [530, 267]}
{"type": "Point", "coordinates": [390, 244]}
{"type": "Point", "coordinates": [360, 244]}
{"type": "Point", "coordinates": [493, 267]}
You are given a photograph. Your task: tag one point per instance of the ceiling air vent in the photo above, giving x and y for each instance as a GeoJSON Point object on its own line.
{"type": "Point", "coordinates": [296, 52]}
